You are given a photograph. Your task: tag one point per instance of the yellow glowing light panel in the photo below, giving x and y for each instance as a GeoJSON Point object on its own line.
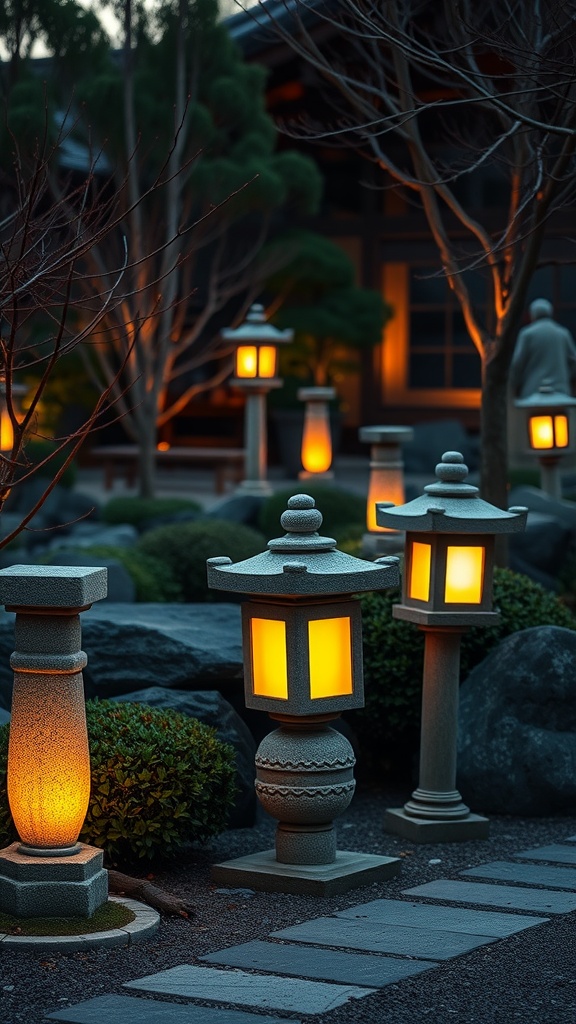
{"type": "Point", "coordinates": [561, 431]}
{"type": "Point", "coordinates": [464, 575]}
{"type": "Point", "coordinates": [385, 485]}
{"type": "Point", "coordinates": [6, 432]}
{"type": "Point", "coordinates": [246, 361]}
{"type": "Point", "coordinates": [330, 657]}
{"type": "Point", "coordinates": [48, 759]}
{"type": "Point", "coordinates": [541, 432]}
{"type": "Point", "coordinates": [267, 361]}
{"type": "Point", "coordinates": [316, 444]}
{"type": "Point", "coordinates": [419, 589]}
{"type": "Point", "coordinates": [269, 666]}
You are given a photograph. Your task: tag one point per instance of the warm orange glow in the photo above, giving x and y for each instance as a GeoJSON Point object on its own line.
{"type": "Point", "coordinates": [246, 361]}
{"type": "Point", "coordinates": [163, 446]}
{"type": "Point", "coordinates": [464, 575]}
{"type": "Point", "coordinates": [541, 432]}
{"type": "Point", "coordinates": [316, 440]}
{"type": "Point", "coordinates": [6, 432]}
{"type": "Point", "coordinates": [330, 657]}
{"type": "Point", "coordinates": [267, 361]}
{"type": "Point", "coordinates": [561, 431]}
{"type": "Point", "coordinates": [385, 485]}
{"type": "Point", "coordinates": [419, 588]}
{"type": "Point", "coordinates": [48, 776]}
{"type": "Point", "coordinates": [269, 664]}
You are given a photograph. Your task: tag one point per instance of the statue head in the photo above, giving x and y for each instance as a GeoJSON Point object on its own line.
{"type": "Point", "coordinates": [540, 308]}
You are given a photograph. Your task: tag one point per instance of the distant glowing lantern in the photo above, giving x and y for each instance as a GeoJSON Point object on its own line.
{"type": "Point", "coordinates": [316, 452]}
{"type": "Point", "coordinates": [6, 426]}
{"type": "Point", "coordinates": [386, 484]}
{"type": "Point", "coordinates": [447, 587]}
{"type": "Point", "coordinates": [302, 642]}
{"type": "Point", "coordinates": [255, 372]}
{"type": "Point", "coordinates": [549, 432]}
{"type": "Point", "coordinates": [163, 446]}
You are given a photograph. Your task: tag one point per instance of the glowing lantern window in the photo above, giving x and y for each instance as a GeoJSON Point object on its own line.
{"type": "Point", "coordinates": [269, 664]}
{"type": "Point", "coordinates": [548, 432]}
{"type": "Point", "coordinates": [464, 575]}
{"type": "Point", "coordinates": [419, 587]}
{"type": "Point", "coordinates": [330, 657]}
{"type": "Point", "coordinates": [247, 361]}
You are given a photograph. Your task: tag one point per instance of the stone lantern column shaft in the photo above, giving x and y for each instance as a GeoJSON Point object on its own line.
{"type": "Point", "coordinates": [256, 436]}
{"type": "Point", "coordinates": [437, 795]}
{"type": "Point", "coordinates": [550, 480]}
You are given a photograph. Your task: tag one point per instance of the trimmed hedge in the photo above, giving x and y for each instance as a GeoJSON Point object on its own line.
{"type": "Point", "coordinates": [159, 780]}
{"type": "Point", "coordinates": [151, 576]}
{"type": "Point", "coordinates": [184, 547]}
{"type": "Point", "coordinates": [138, 510]}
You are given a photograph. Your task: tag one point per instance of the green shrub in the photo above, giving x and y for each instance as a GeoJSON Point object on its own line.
{"type": "Point", "coordinates": [394, 652]}
{"type": "Point", "coordinates": [137, 510]}
{"type": "Point", "coordinates": [349, 538]}
{"type": "Point", "coordinates": [339, 508]}
{"type": "Point", "coordinates": [152, 577]}
{"type": "Point", "coordinates": [159, 780]}
{"type": "Point", "coordinates": [184, 548]}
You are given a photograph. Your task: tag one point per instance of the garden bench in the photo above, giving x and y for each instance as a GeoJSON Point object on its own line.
{"type": "Point", "coordinates": [228, 463]}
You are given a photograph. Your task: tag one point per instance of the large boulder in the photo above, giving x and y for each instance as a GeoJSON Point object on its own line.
{"type": "Point", "coordinates": [432, 439]}
{"type": "Point", "coordinates": [210, 708]}
{"type": "Point", "coordinates": [517, 726]}
{"type": "Point", "coordinates": [135, 646]}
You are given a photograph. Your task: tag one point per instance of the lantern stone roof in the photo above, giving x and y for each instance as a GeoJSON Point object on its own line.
{"type": "Point", "coordinates": [256, 330]}
{"type": "Point", "coordinates": [547, 397]}
{"type": "Point", "coordinates": [451, 506]}
{"type": "Point", "coordinates": [302, 563]}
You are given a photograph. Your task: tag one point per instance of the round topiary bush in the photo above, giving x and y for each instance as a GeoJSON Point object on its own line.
{"type": "Point", "coordinates": [152, 577]}
{"type": "Point", "coordinates": [388, 725]}
{"type": "Point", "coordinates": [159, 780]}
{"type": "Point", "coordinates": [339, 508]}
{"type": "Point", "coordinates": [184, 547]}
{"type": "Point", "coordinates": [138, 510]}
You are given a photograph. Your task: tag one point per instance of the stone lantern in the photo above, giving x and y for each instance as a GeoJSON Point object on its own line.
{"type": "Point", "coordinates": [447, 587]}
{"type": "Point", "coordinates": [549, 432]}
{"type": "Point", "coordinates": [386, 484]}
{"type": "Point", "coordinates": [6, 427]}
{"type": "Point", "coordinates": [302, 645]}
{"type": "Point", "coordinates": [255, 373]}
{"type": "Point", "coordinates": [316, 452]}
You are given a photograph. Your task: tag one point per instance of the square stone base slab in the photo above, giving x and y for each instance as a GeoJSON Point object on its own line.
{"type": "Point", "coordinates": [422, 830]}
{"type": "Point", "coordinates": [72, 886]}
{"type": "Point", "coordinates": [263, 872]}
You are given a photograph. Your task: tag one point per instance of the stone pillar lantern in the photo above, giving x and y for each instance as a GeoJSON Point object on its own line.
{"type": "Point", "coordinates": [255, 373]}
{"type": "Point", "coordinates": [302, 643]}
{"type": "Point", "coordinates": [49, 873]}
{"type": "Point", "coordinates": [549, 432]}
{"type": "Point", "coordinates": [386, 484]}
{"type": "Point", "coordinates": [447, 587]}
{"type": "Point", "coordinates": [316, 454]}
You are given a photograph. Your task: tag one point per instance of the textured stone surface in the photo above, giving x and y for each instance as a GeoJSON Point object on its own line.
{"type": "Point", "coordinates": [182, 646]}
{"type": "Point", "coordinates": [25, 868]}
{"type": "Point", "coordinates": [450, 919]}
{"type": "Point", "coordinates": [556, 852]}
{"type": "Point", "coordinates": [518, 897]}
{"type": "Point", "coordinates": [323, 964]}
{"type": "Point", "coordinates": [382, 938]}
{"type": "Point", "coordinates": [209, 707]}
{"type": "Point", "coordinates": [60, 898]}
{"type": "Point", "coordinates": [263, 872]}
{"type": "Point", "coordinates": [131, 1010]}
{"type": "Point", "coordinates": [540, 552]}
{"type": "Point", "coordinates": [257, 990]}
{"type": "Point", "coordinates": [44, 586]}
{"type": "Point", "coordinates": [518, 723]}
{"type": "Point", "coordinates": [120, 584]}
{"type": "Point", "coordinates": [531, 874]}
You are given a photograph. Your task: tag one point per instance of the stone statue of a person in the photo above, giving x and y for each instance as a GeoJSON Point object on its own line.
{"type": "Point", "coordinates": [544, 351]}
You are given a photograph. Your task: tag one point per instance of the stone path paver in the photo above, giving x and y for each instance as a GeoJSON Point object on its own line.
{"type": "Point", "coordinates": [400, 938]}
{"type": "Point", "coordinates": [326, 964]}
{"type": "Point", "coordinates": [381, 938]}
{"type": "Point", "coordinates": [541, 900]}
{"type": "Point", "coordinates": [556, 852]}
{"type": "Point", "coordinates": [451, 919]}
{"type": "Point", "coordinates": [533, 874]}
{"type": "Point", "coordinates": [270, 992]}
{"type": "Point", "coordinates": [129, 1010]}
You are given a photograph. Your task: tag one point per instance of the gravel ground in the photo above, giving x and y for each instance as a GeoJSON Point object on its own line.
{"type": "Point", "coordinates": [529, 978]}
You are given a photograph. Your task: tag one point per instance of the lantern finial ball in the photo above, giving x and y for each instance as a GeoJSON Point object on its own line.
{"type": "Point", "coordinates": [452, 468]}
{"type": "Point", "coordinates": [301, 516]}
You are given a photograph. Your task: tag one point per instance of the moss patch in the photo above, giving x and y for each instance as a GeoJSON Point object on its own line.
{"type": "Point", "coordinates": [109, 915]}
